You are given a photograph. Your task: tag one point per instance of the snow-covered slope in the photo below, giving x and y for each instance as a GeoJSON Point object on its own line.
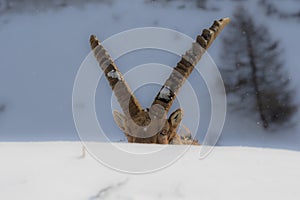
{"type": "Point", "coordinates": [41, 51]}
{"type": "Point", "coordinates": [57, 171]}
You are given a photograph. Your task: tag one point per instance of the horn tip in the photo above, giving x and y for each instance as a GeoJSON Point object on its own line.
{"type": "Point", "coordinates": [225, 20]}
{"type": "Point", "coordinates": [93, 37]}
{"type": "Point", "coordinates": [94, 41]}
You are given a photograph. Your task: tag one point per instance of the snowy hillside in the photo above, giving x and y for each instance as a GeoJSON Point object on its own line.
{"type": "Point", "coordinates": [41, 51]}
{"type": "Point", "coordinates": [57, 171]}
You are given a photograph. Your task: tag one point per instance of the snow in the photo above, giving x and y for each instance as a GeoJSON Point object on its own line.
{"type": "Point", "coordinates": [40, 54]}
{"type": "Point", "coordinates": [165, 94]}
{"type": "Point", "coordinates": [57, 170]}
{"type": "Point", "coordinates": [114, 74]}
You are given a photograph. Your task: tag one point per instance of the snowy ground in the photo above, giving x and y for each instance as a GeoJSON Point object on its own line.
{"type": "Point", "coordinates": [41, 51]}
{"type": "Point", "coordinates": [49, 170]}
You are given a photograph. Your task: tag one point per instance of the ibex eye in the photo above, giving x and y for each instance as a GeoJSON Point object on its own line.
{"type": "Point", "coordinates": [163, 132]}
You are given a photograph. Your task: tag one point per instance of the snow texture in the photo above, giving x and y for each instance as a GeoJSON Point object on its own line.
{"type": "Point", "coordinates": [41, 52]}
{"type": "Point", "coordinates": [58, 171]}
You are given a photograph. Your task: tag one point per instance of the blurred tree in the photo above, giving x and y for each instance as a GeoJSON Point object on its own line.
{"type": "Point", "coordinates": [253, 71]}
{"type": "Point", "coordinates": [272, 10]}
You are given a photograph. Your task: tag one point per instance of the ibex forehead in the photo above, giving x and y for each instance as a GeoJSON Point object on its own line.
{"type": "Point", "coordinates": [145, 124]}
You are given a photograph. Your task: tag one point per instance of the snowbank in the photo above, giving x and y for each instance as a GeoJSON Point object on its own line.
{"type": "Point", "coordinates": [49, 170]}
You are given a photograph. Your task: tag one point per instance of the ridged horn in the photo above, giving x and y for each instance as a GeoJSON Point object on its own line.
{"type": "Point", "coordinates": [185, 66]}
{"type": "Point", "coordinates": [122, 91]}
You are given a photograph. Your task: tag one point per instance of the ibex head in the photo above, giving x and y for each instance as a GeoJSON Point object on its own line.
{"type": "Point", "coordinates": [152, 125]}
{"type": "Point", "coordinates": [162, 131]}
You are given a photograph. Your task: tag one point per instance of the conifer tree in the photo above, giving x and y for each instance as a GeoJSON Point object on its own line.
{"type": "Point", "coordinates": [253, 71]}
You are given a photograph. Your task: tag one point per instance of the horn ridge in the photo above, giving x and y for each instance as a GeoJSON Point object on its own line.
{"type": "Point", "coordinates": [185, 66]}
{"type": "Point", "coordinates": [125, 97]}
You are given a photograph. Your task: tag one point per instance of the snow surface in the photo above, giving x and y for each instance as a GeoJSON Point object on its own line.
{"type": "Point", "coordinates": [41, 51]}
{"type": "Point", "coordinates": [53, 170]}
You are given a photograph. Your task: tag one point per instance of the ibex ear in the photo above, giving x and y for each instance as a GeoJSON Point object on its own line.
{"type": "Point", "coordinates": [175, 118]}
{"type": "Point", "coordinates": [120, 120]}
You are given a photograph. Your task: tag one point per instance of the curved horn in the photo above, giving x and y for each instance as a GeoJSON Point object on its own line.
{"type": "Point", "coordinates": [185, 66]}
{"type": "Point", "coordinates": [123, 93]}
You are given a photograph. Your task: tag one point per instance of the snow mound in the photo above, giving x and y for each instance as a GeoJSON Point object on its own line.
{"type": "Point", "coordinates": [57, 170]}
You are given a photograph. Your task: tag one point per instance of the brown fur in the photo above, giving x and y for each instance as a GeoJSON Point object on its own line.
{"type": "Point", "coordinates": [166, 135]}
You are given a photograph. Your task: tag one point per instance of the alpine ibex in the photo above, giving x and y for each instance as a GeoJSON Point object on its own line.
{"type": "Point", "coordinates": [151, 125]}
